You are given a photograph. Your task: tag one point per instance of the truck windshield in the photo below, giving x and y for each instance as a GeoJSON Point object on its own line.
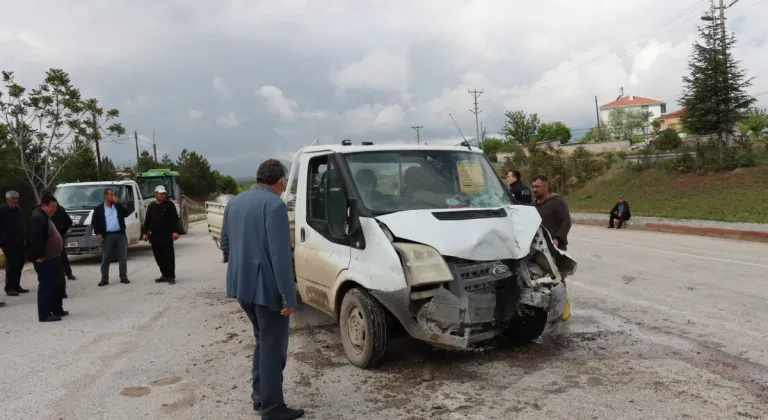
{"type": "Point", "coordinates": [81, 197]}
{"type": "Point", "coordinates": [147, 186]}
{"type": "Point", "coordinates": [391, 181]}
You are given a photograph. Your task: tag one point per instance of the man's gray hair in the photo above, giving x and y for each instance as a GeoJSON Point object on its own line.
{"type": "Point", "coordinates": [11, 194]}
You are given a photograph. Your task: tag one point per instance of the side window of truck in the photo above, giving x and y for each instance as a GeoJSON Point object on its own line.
{"type": "Point", "coordinates": [326, 201]}
{"type": "Point", "coordinates": [127, 198]}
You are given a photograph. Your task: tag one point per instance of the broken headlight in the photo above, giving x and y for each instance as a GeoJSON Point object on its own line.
{"type": "Point", "coordinates": [422, 264]}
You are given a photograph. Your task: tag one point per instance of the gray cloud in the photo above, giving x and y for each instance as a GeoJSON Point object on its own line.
{"type": "Point", "coordinates": [243, 81]}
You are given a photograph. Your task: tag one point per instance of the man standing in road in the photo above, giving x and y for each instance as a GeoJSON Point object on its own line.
{"type": "Point", "coordinates": [108, 223]}
{"type": "Point", "coordinates": [161, 228]}
{"type": "Point", "coordinates": [256, 235]}
{"type": "Point", "coordinates": [619, 212]}
{"type": "Point", "coordinates": [553, 211]}
{"type": "Point", "coordinates": [63, 222]}
{"type": "Point", "coordinates": [520, 191]}
{"type": "Point", "coordinates": [12, 242]}
{"type": "Point", "coordinates": [44, 250]}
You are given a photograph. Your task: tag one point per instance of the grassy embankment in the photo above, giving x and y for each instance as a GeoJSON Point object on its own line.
{"type": "Point", "coordinates": [737, 196]}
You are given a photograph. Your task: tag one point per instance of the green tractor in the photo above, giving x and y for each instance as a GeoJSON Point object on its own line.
{"type": "Point", "coordinates": [150, 179]}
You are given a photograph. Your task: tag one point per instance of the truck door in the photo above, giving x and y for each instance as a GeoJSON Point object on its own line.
{"type": "Point", "coordinates": [322, 248]}
{"type": "Point", "coordinates": [133, 222]}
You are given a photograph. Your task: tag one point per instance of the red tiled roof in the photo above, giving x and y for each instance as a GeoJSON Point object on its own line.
{"type": "Point", "coordinates": [675, 114]}
{"type": "Point", "coordinates": [631, 100]}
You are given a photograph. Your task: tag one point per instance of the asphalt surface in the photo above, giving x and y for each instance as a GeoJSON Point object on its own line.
{"type": "Point", "coordinates": [663, 327]}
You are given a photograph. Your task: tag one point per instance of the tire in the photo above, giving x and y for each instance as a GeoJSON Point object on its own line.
{"type": "Point", "coordinates": [364, 329]}
{"type": "Point", "coordinates": [184, 221]}
{"type": "Point", "coordinates": [527, 328]}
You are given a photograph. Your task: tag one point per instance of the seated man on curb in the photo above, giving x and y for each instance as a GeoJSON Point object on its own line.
{"type": "Point", "coordinates": [619, 212]}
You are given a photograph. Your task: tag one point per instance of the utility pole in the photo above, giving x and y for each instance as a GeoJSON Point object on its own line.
{"type": "Point", "coordinates": [136, 138]}
{"type": "Point", "coordinates": [418, 133]}
{"type": "Point", "coordinates": [475, 94]}
{"type": "Point", "coordinates": [154, 146]}
{"type": "Point", "coordinates": [98, 151]}
{"type": "Point", "coordinates": [597, 113]}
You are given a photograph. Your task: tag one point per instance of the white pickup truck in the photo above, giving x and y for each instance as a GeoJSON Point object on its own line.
{"type": "Point", "coordinates": [423, 236]}
{"type": "Point", "coordinates": [80, 198]}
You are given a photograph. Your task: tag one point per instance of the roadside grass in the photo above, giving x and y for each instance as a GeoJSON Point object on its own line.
{"type": "Point", "coordinates": [737, 196]}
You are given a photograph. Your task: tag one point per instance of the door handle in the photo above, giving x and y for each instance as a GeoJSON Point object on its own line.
{"type": "Point", "coordinates": [303, 235]}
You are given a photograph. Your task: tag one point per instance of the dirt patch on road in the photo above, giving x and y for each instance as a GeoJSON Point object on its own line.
{"type": "Point", "coordinates": [135, 391]}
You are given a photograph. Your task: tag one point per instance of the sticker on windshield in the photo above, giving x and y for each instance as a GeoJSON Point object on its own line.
{"type": "Point", "coordinates": [470, 177]}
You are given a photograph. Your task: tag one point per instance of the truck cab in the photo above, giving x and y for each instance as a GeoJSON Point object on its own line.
{"type": "Point", "coordinates": [422, 236]}
{"type": "Point", "coordinates": [81, 198]}
{"type": "Point", "coordinates": [170, 180]}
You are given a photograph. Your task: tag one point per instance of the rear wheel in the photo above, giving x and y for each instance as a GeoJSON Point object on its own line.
{"type": "Point", "coordinates": [364, 329]}
{"type": "Point", "coordinates": [184, 221]}
{"type": "Point", "coordinates": [527, 328]}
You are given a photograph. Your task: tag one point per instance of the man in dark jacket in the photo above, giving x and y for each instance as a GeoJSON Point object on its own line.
{"type": "Point", "coordinates": [63, 222]}
{"type": "Point", "coordinates": [108, 224]}
{"type": "Point", "coordinates": [12, 242]}
{"type": "Point", "coordinates": [44, 250]}
{"type": "Point", "coordinates": [619, 212]}
{"type": "Point", "coordinates": [520, 191]}
{"type": "Point", "coordinates": [161, 228]}
{"type": "Point", "coordinates": [553, 210]}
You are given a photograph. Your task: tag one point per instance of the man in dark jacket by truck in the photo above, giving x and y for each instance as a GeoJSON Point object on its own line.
{"type": "Point", "coordinates": [12, 242]}
{"type": "Point", "coordinates": [44, 250]}
{"type": "Point", "coordinates": [63, 223]}
{"type": "Point", "coordinates": [108, 222]}
{"type": "Point", "coordinates": [161, 228]}
{"type": "Point", "coordinates": [520, 191]}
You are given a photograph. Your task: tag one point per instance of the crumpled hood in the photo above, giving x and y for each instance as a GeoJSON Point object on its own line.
{"type": "Point", "coordinates": [481, 239]}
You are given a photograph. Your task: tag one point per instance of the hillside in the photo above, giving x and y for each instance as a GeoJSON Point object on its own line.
{"type": "Point", "coordinates": [737, 196]}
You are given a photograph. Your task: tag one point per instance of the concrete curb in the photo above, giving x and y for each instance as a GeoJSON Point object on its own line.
{"type": "Point", "coordinates": [679, 227]}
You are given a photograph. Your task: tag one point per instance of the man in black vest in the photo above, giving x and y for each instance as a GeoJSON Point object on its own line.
{"type": "Point", "coordinates": [12, 243]}
{"type": "Point", "coordinates": [63, 222]}
{"type": "Point", "coordinates": [108, 224]}
{"type": "Point", "coordinates": [161, 228]}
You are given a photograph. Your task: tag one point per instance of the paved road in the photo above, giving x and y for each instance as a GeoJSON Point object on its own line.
{"type": "Point", "coordinates": [664, 327]}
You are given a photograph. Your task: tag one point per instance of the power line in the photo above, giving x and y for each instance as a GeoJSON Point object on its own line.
{"type": "Point", "coordinates": [418, 133]}
{"type": "Point", "coordinates": [475, 94]}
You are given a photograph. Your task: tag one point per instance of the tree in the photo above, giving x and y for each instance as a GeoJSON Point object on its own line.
{"type": "Point", "coordinates": [623, 123]}
{"type": "Point", "coordinates": [195, 175]}
{"type": "Point", "coordinates": [146, 162]}
{"type": "Point", "coordinates": [593, 135]}
{"type": "Point", "coordinates": [491, 146]}
{"type": "Point", "coordinates": [554, 131]}
{"type": "Point", "coordinates": [167, 163]}
{"type": "Point", "coordinates": [667, 140]}
{"type": "Point", "coordinates": [714, 93]}
{"type": "Point", "coordinates": [520, 127]}
{"type": "Point", "coordinates": [225, 184]}
{"type": "Point", "coordinates": [108, 169]}
{"type": "Point", "coordinates": [754, 122]}
{"type": "Point", "coordinates": [81, 163]}
{"type": "Point", "coordinates": [45, 121]}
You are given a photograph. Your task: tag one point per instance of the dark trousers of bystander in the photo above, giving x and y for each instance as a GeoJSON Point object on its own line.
{"type": "Point", "coordinates": [621, 220]}
{"type": "Point", "coordinates": [49, 275]}
{"type": "Point", "coordinates": [14, 263]}
{"type": "Point", "coordinates": [165, 257]}
{"type": "Point", "coordinates": [269, 356]}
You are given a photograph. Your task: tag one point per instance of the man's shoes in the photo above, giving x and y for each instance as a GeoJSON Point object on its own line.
{"type": "Point", "coordinates": [51, 318]}
{"type": "Point", "coordinates": [161, 280]}
{"type": "Point", "coordinates": [256, 406]}
{"type": "Point", "coordinates": [125, 280]}
{"type": "Point", "coordinates": [284, 413]}
{"type": "Point", "coordinates": [71, 277]}
{"type": "Point", "coordinates": [12, 292]}
{"type": "Point", "coordinates": [172, 280]}
{"type": "Point", "coordinates": [61, 314]}
{"type": "Point", "coordinates": [103, 283]}
{"type": "Point", "coordinates": [22, 290]}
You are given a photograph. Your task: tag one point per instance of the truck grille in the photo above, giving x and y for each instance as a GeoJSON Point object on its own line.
{"type": "Point", "coordinates": [77, 231]}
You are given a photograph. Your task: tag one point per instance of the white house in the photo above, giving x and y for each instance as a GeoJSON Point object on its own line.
{"type": "Point", "coordinates": [632, 102]}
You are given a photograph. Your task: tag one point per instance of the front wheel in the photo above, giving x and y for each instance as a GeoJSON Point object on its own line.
{"type": "Point", "coordinates": [528, 327]}
{"type": "Point", "coordinates": [364, 329]}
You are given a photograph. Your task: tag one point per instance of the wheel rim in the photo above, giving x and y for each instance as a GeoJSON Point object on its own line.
{"type": "Point", "coordinates": [356, 332]}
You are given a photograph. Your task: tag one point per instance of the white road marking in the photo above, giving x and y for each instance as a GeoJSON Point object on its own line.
{"type": "Point", "coordinates": [663, 251]}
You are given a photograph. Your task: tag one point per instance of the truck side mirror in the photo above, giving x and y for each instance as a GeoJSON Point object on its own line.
{"type": "Point", "coordinates": [353, 222]}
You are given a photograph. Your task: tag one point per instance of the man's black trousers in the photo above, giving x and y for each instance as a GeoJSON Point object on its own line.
{"type": "Point", "coordinates": [162, 248]}
{"type": "Point", "coordinates": [14, 263]}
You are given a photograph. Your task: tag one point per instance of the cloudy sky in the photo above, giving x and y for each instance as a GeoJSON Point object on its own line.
{"type": "Point", "coordinates": [243, 80]}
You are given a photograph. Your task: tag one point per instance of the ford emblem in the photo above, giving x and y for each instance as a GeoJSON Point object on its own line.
{"type": "Point", "coordinates": [500, 270]}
